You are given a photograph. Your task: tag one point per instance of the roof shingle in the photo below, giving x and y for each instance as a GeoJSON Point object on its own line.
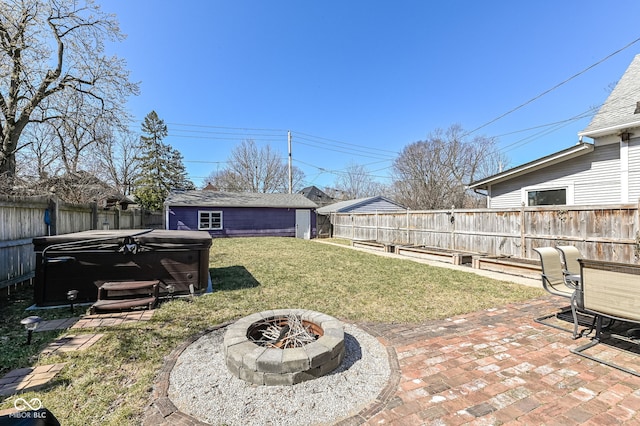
{"type": "Point", "coordinates": [619, 110]}
{"type": "Point", "coordinates": [237, 199]}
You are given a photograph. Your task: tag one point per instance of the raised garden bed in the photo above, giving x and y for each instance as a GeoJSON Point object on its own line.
{"type": "Point", "coordinates": [508, 265]}
{"type": "Point", "coordinates": [435, 253]}
{"type": "Point", "coordinates": [374, 245]}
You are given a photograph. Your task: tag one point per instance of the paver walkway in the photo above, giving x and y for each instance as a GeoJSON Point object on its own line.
{"type": "Point", "coordinates": [72, 343]}
{"type": "Point", "coordinates": [32, 378]}
{"type": "Point", "coordinates": [492, 367]}
{"type": "Point", "coordinates": [110, 320]}
{"type": "Point", "coordinates": [57, 324]}
{"type": "Point", "coordinates": [28, 379]}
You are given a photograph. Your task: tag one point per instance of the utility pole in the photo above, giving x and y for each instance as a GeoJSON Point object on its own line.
{"type": "Point", "coordinates": [290, 171]}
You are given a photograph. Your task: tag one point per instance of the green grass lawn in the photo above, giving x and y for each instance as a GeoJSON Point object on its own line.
{"type": "Point", "coordinates": [109, 384]}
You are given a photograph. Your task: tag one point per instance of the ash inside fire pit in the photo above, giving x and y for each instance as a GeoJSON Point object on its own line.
{"type": "Point", "coordinates": [283, 347]}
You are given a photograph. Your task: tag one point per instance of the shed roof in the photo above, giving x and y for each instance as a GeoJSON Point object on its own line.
{"type": "Point", "coordinates": [378, 203]}
{"type": "Point", "coordinates": [621, 110]}
{"type": "Point", "coordinates": [210, 198]}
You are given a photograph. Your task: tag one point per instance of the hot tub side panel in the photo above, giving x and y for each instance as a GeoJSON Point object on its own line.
{"type": "Point", "coordinates": [87, 270]}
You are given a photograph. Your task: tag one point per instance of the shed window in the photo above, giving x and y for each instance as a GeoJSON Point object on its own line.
{"type": "Point", "coordinates": [547, 197]}
{"type": "Point", "coordinates": [210, 220]}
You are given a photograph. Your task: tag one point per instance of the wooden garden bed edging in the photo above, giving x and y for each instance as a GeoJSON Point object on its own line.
{"type": "Point", "coordinates": [437, 254]}
{"type": "Point", "coordinates": [373, 245]}
{"type": "Point", "coordinates": [508, 265]}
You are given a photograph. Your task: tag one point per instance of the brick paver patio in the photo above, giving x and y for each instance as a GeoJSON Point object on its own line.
{"type": "Point", "coordinates": [492, 367]}
{"type": "Point", "coordinates": [500, 367]}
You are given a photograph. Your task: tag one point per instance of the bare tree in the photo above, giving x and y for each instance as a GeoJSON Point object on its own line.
{"type": "Point", "coordinates": [253, 169]}
{"type": "Point", "coordinates": [38, 160]}
{"type": "Point", "coordinates": [78, 126]}
{"type": "Point", "coordinates": [50, 50]}
{"type": "Point", "coordinates": [356, 182]}
{"type": "Point", "coordinates": [117, 160]}
{"type": "Point", "coordinates": [433, 174]}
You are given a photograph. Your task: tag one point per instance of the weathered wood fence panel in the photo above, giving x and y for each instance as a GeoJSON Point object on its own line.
{"type": "Point", "coordinates": [74, 218]}
{"type": "Point", "coordinates": [23, 218]}
{"type": "Point", "coordinates": [20, 220]}
{"type": "Point", "coordinates": [599, 232]}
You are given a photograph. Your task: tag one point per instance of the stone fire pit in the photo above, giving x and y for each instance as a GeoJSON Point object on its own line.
{"type": "Point", "coordinates": [258, 349]}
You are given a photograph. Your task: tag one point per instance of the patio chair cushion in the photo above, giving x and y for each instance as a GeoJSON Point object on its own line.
{"type": "Point", "coordinates": [570, 256]}
{"type": "Point", "coordinates": [610, 289]}
{"type": "Point", "coordinates": [552, 275]}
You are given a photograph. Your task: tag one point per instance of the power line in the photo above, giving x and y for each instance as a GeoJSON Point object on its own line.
{"type": "Point", "coordinates": [352, 152]}
{"type": "Point", "coordinates": [256, 129]}
{"type": "Point", "coordinates": [585, 114]}
{"type": "Point", "coordinates": [239, 138]}
{"type": "Point", "coordinates": [320, 138]}
{"type": "Point", "coordinates": [554, 87]}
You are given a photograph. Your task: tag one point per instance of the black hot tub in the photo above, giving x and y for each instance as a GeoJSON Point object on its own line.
{"type": "Point", "coordinates": [83, 261]}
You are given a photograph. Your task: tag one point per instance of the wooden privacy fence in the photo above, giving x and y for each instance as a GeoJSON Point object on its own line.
{"type": "Point", "coordinates": [23, 218]}
{"type": "Point", "coordinates": [599, 232]}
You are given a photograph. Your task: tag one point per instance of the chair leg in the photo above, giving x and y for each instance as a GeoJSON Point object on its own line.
{"type": "Point", "coordinates": [596, 340]}
{"type": "Point", "coordinates": [541, 320]}
{"type": "Point", "coordinates": [574, 313]}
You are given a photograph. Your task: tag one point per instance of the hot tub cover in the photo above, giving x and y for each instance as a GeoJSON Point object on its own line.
{"type": "Point", "coordinates": [83, 261]}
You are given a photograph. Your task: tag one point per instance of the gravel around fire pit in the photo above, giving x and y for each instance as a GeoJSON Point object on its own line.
{"type": "Point", "coordinates": [201, 386]}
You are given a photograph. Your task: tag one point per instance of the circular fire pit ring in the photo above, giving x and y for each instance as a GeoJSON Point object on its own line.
{"type": "Point", "coordinates": [262, 361]}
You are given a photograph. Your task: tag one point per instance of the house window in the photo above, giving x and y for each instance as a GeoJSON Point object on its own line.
{"type": "Point", "coordinates": [547, 197]}
{"type": "Point", "coordinates": [210, 220]}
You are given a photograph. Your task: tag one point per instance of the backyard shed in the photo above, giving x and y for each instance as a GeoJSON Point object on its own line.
{"type": "Point", "coordinates": [362, 205]}
{"type": "Point", "coordinates": [84, 261]}
{"type": "Point", "coordinates": [376, 204]}
{"type": "Point", "coordinates": [241, 214]}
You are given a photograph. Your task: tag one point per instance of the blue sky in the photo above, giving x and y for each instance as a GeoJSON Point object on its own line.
{"type": "Point", "coordinates": [356, 81]}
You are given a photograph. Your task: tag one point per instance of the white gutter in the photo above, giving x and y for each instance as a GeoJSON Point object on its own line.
{"type": "Point", "coordinates": [609, 130]}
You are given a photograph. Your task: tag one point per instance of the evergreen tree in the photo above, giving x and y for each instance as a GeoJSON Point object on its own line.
{"type": "Point", "coordinates": [162, 169]}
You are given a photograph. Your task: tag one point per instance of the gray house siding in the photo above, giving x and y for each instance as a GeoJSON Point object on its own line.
{"type": "Point", "coordinates": [593, 178]}
{"type": "Point", "coordinates": [600, 184]}
{"type": "Point", "coordinates": [606, 171]}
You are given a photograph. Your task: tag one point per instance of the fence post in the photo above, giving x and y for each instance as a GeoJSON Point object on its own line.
{"type": "Point", "coordinates": [94, 215]}
{"type": "Point", "coordinates": [523, 241]}
{"type": "Point", "coordinates": [408, 230]}
{"type": "Point", "coordinates": [53, 205]}
{"type": "Point", "coordinates": [143, 222]}
{"type": "Point", "coordinates": [377, 234]}
{"type": "Point", "coordinates": [452, 221]}
{"type": "Point", "coordinates": [636, 234]}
